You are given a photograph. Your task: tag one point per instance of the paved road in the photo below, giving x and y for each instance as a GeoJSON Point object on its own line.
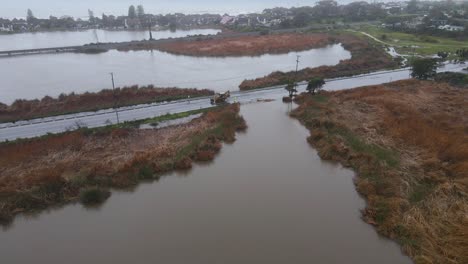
{"type": "Point", "coordinates": [39, 127]}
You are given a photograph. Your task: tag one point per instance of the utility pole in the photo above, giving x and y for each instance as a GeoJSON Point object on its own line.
{"type": "Point", "coordinates": [115, 101]}
{"type": "Point", "coordinates": [149, 28]}
{"type": "Point", "coordinates": [297, 66]}
{"type": "Point", "coordinates": [297, 69]}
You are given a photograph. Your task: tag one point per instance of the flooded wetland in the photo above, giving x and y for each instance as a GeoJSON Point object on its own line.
{"type": "Point", "coordinates": [286, 205]}
{"type": "Point", "coordinates": [53, 74]}
{"type": "Point", "coordinates": [299, 134]}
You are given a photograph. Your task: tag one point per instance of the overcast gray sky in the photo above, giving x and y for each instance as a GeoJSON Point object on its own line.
{"type": "Point", "coordinates": [78, 8]}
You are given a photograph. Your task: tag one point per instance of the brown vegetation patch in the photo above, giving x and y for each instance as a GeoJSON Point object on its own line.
{"type": "Point", "coordinates": [241, 46]}
{"type": "Point", "coordinates": [74, 103]}
{"type": "Point", "coordinates": [408, 142]}
{"type": "Point", "coordinates": [41, 172]}
{"type": "Point", "coordinates": [366, 57]}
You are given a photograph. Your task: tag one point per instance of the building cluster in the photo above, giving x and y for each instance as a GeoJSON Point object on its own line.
{"type": "Point", "coordinates": [413, 14]}
{"type": "Point", "coordinates": [427, 22]}
{"type": "Point", "coordinates": [419, 15]}
{"type": "Point", "coordinates": [15, 25]}
{"type": "Point", "coordinates": [110, 22]}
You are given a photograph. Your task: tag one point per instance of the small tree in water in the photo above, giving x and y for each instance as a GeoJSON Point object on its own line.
{"type": "Point", "coordinates": [291, 88]}
{"type": "Point", "coordinates": [424, 69]}
{"type": "Point", "coordinates": [442, 54]}
{"type": "Point", "coordinates": [315, 84]}
{"type": "Point", "coordinates": [462, 54]}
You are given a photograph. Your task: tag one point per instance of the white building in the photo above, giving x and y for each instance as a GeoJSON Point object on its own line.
{"type": "Point", "coordinates": [225, 20]}
{"type": "Point", "coordinates": [451, 28]}
{"type": "Point", "coordinates": [8, 28]}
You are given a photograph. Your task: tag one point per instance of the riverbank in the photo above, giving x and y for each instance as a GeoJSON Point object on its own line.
{"type": "Point", "coordinates": [407, 142]}
{"type": "Point", "coordinates": [57, 169]}
{"type": "Point", "coordinates": [90, 102]}
{"type": "Point", "coordinates": [366, 57]}
{"type": "Point", "coordinates": [242, 45]}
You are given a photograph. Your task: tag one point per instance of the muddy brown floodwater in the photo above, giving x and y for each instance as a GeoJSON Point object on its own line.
{"type": "Point", "coordinates": [268, 198]}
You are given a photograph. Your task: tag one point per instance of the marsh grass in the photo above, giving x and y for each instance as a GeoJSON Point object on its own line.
{"type": "Point", "coordinates": [415, 179]}
{"type": "Point", "coordinates": [389, 157]}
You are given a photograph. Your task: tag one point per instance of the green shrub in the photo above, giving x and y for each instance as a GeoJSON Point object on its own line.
{"type": "Point", "coordinates": [420, 191]}
{"type": "Point", "coordinates": [145, 173]}
{"type": "Point", "coordinates": [382, 212]}
{"type": "Point", "coordinates": [93, 195]}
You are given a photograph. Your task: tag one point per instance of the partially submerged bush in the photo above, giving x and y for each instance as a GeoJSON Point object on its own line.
{"type": "Point", "coordinates": [146, 173]}
{"type": "Point", "coordinates": [93, 195]}
{"type": "Point", "coordinates": [205, 155]}
{"type": "Point", "coordinates": [183, 164]}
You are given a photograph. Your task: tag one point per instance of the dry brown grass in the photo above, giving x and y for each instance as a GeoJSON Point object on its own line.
{"type": "Point", "coordinates": [242, 46]}
{"type": "Point", "coordinates": [421, 200]}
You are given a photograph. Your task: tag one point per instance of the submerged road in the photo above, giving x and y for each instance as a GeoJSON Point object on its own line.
{"type": "Point", "coordinates": [58, 124]}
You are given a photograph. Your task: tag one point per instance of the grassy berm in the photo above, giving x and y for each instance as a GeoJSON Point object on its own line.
{"type": "Point", "coordinates": [408, 143]}
{"type": "Point", "coordinates": [83, 165]}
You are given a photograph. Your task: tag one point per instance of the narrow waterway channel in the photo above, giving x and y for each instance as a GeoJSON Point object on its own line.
{"type": "Point", "coordinates": [268, 198]}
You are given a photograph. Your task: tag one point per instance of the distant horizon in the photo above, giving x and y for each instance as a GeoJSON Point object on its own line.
{"type": "Point", "coordinates": [46, 8]}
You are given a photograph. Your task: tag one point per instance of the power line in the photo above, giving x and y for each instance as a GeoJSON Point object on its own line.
{"type": "Point", "coordinates": [297, 66]}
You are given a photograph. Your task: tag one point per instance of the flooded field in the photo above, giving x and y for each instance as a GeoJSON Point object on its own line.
{"type": "Point", "coordinates": [54, 74]}
{"type": "Point", "coordinates": [74, 38]}
{"type": "Point", "coordinates": [286, 207]}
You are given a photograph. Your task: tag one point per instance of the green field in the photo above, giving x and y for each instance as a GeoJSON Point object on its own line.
{"type": "Point", "coordinates": [412, 44]}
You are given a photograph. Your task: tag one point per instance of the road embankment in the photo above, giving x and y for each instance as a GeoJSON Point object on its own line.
{"type": "Point", "coordinates": [82, 165]}
{"type": "Point", "coordinates": [407, 142]}
{"type": "Point", "coordinates": [90, 102]}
